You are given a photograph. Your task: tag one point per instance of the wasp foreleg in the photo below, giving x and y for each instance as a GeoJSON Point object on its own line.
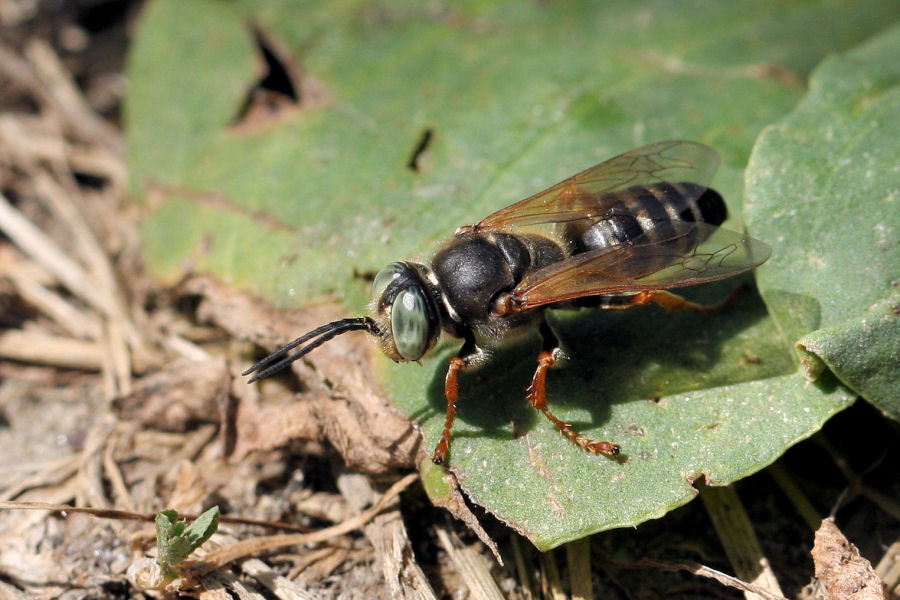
{"type": "Point", "coordinates": [467, 356]}
{"type": "Point", "coordinates": [537, 394]}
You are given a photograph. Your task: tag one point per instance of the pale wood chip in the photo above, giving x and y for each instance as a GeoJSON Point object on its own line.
{"type": "Point", "coordinates": [72, 319]}
{"type": "Point", "coordinates": [34, 242]}
{"type": "Point", "coordinates": [223, 580]}
{"type": "Point", "coordinates": [67, 100]}
{"type": "Point", "coordinates": [888, 568]}
{"type": "Point", "coordinates": [471, 565]}
{"type": "Point", "coordinates": [393, 551]}
{"type": "Point", "coordinates": [325, 506]}
{"type": "Point", "coordinates": [43, 349]}
{"type": "Point", "coordinates": [736, 533]}
{"type": "Point", "coordinates": [282, 587]}
{"type": "Point", "coordinates": [253, 546]}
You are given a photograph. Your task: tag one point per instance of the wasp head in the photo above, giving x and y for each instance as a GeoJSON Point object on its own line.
{"type": "Point", "coordinates": [405, 322]}
{"type": "Point", "coordinates": [404, 309]}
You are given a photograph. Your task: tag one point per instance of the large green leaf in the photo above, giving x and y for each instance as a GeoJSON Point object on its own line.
{"type": "Point", "coordinates": [824, 188]}
{"type": "Point", "coordinates": [518, 96]}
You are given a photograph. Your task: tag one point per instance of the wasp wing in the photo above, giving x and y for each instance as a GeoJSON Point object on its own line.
{"type": "Point", "coordinates": [696, 253]}
{"type": "Point", "coordinates": [588, 194]}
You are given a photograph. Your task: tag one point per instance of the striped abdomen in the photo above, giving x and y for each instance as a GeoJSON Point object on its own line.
{"type": "Point", "coordinates": [649, 214]}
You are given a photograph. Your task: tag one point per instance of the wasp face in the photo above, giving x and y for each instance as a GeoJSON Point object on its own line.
{"type": "Point", "coordinates": [405, 311]}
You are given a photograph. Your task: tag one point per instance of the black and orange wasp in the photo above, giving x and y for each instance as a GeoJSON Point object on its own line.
{"type": "Point", "coordinates": [615, 236]}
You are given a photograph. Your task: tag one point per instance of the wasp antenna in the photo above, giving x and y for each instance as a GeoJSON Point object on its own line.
{"type": "Point", "coordinates": [280, 359]}
{"type": "Point", "coordinates": [300, 340]}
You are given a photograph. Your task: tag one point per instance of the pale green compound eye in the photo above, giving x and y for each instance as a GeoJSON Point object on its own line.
{"type": "Point", "coordinates": [409, 323]}
{"type": "Point", "coordinates": [385, 277]}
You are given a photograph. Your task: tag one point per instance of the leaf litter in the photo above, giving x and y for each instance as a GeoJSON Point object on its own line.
{"type": "Point", "coordinates": [142, 381]}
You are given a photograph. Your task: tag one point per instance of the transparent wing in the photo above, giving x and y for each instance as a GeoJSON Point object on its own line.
{"type": "Point", "coordinates": [696, 253]}
{"type": "Point", "coordinates": [588, 193]}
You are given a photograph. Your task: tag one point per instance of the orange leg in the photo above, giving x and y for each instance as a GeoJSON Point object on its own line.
{"type": "Point", "coordinates": [537, 393]}
{"type": "Point", "coordinates": [674, 302]}
{"type": "Point", "coordinates": [451, 393]}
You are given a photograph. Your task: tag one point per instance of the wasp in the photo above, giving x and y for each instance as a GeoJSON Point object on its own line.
{"type": "Point", "coordinates": [615, 236]}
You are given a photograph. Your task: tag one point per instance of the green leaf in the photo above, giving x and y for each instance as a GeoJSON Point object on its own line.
{"type": "Point", "coordinates": [435, 482]}
{"type": "Point", "coordinates": [175, 539]}
{"type": "Point", "coordinates": [166, 524]}
{"type": "Point", "coordinates": [823, 187]}
{"type": "Point", "coordinates": [517, 97]}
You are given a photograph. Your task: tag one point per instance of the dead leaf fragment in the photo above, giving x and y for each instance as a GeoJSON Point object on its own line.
{"type": "Point", "coordinates": [443, 490]}
{"type": "Point", "coordinates": [341, 401]}
{"type": "Point", "coordinates": [840, 568]}
{"type": "Point", "coordinates": [177, 396]}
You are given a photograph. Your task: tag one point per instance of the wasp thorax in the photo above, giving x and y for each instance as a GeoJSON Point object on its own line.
{"type": "Point", "coordinates": [408, 321]}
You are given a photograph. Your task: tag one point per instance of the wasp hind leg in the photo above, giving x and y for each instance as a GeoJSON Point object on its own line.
{"type": "Point", "coordinates": [669, 301]}
{"type": "Point", "coordinates": [468, 355]}
{"type": "Point", "coordinates": [537, 394]}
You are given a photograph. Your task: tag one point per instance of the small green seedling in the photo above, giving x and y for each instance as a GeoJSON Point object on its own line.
{"type": "Point", "coordinates": [176, 539]}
